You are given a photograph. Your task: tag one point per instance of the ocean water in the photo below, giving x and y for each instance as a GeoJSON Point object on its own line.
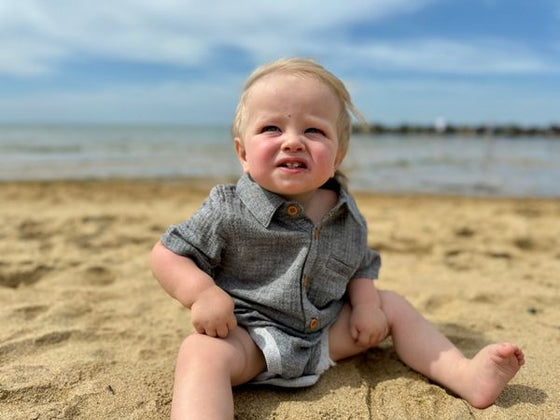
{"type": "Point", "coordinates": [487, 166]}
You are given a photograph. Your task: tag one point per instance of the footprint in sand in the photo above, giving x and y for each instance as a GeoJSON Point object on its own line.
{"type": "Point", "coordinates": [28, 383]}
{"type": "Point", "coordinates": [12, 278]}
{"type": "Point", "coordinates": [31, 229]}
{"type": "Point", "coordinates": [28, 346]}
{"type": "Point", "coordinates": [98, 276]}
{"type": "Point", "coordinates": [459, 259]}
{"type": "Point", "coordinates": [486, 298]}
{"type": "Point", "coordinates": [31, 312]}
{"type": "Point", "coordinates": [54, 337]}
{"type": "Point", "coordinates": [436, 303]}
{"type": "Point", "coordinates": [525, 243]}
{"type": "Point", "coordinates": [465, 232]}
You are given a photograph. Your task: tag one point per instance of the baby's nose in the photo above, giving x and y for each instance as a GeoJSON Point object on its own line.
{"type": "Point", "coordinates": [292, 142]}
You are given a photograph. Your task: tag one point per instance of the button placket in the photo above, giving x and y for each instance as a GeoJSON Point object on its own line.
{"type": "Point", "coordinates": [306, 281]}
{"type": "Point", "coordinates": [315, 233]}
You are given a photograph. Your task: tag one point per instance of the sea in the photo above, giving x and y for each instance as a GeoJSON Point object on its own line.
{"type": "Point", "coordinates": [389, 163]}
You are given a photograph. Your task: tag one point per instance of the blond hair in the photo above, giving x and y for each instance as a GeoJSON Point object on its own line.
{"type": "Point", "coordinates": [309, 68]}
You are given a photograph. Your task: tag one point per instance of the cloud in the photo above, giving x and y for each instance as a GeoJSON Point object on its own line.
{"type": "Point", "coordinates": [488, 56]}
{"type": "Point", "coordinates": [28, 57]}
{"type": "Point", "coordinates": [36, 35]}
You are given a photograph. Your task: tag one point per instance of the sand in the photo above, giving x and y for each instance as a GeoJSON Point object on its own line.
{"type": "Point", "coordinates": [87, 333]}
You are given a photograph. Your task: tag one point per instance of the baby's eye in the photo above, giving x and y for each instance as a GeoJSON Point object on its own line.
{"type": "Point", "coordinates": [270, 129]}
{"type": "Point", "coordinates": [314, 130]}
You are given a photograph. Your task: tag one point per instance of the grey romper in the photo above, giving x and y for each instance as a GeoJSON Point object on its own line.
{"type": "Point", "coordinates": [287, 276]}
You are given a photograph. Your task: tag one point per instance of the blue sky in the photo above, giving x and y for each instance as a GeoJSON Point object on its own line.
{"type": "Point", "coordinates": [184, 61]}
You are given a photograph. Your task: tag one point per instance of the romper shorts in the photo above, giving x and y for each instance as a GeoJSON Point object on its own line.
{"type": "Point", "coordinates": [291, 361]}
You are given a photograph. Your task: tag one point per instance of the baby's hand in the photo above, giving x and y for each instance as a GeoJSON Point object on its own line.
{"type": "Point", "coordinates": [212, 313]}
{"type": "Point", "coordinates": [368, 325]}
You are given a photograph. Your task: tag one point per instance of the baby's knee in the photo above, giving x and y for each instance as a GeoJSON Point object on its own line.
{"type": "Point", "coordinates": [200, 348]}
{"type": "Point", "coordinates": [393, 304]}
{"type": "Point", "coordinates": [390, 298]}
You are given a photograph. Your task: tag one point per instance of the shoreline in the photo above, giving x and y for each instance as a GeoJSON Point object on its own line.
{"type": "Point", "coordinates": [86, 332]}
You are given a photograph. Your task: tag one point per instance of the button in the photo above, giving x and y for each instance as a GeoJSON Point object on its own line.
{"type": "Point", "coordinates": [292, 210]}
{"type": "Point", "coordinates": [306, 281]}
{"type": "Point", "coordinates": [314, 323]}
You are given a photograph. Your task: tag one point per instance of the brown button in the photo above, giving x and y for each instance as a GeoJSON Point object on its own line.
{"type": "Point", "coordinates": [292, 210]}
{"type": "Point", "coordinates": [305, 281]}
{"type": "Point", "coordinates": [314, 323]}
{"type": "Point", "coordinates": [315, 233]}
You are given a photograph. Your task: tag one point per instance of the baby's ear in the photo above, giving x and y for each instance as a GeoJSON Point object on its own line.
{"type": "Point", "coordinates": [339, 158]}
{"type": "Point", "coordinates": [241, 154]}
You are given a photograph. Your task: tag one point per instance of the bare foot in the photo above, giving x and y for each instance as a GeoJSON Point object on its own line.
{"type": "Point", "coordinates": [490, 371]}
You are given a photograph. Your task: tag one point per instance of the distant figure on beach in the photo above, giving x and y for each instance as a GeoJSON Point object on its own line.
{"type": "Point", "coordinates": [276, 269]}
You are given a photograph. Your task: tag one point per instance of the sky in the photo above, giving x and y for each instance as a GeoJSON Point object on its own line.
{"type": "Point", "coordinates": [185, 61]}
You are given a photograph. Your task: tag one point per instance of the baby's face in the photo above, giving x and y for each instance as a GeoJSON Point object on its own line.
{"type": "Point", "coordinates": [289, 143]}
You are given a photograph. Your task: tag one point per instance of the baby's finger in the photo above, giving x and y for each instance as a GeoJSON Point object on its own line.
{"type": "Point", "coordinates": [211, 332]}
{"type": "Point", "coordinates": [359, 337]}
{"type": "Point", "coordinates": [199, 328]}
{"type": "Point", "coordinates": [354, 333]}
{"type": "Point", "coordinates": [222, 331]}
{"type": "Point", "coordinates": [364, 340]}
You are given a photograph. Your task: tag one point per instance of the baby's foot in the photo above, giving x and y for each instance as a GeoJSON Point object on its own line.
{"type": "Point", "coordinates": [490, 371]}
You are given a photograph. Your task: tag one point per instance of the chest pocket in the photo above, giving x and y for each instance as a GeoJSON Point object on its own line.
{"type": "Point", "coordinates": [329, 281]}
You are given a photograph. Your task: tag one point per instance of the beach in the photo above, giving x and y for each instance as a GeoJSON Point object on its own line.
{"type": "Point", "coordinates": [86, 332]}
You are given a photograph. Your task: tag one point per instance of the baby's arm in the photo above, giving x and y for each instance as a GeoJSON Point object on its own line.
{"type": "Point", "coordinates": [211, 307]}
{"type": "Point", "coordinates": [368, 324]}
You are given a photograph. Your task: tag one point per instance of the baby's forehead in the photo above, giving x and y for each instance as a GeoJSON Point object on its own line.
{"type": "Point", "coordinates": [282, 77]}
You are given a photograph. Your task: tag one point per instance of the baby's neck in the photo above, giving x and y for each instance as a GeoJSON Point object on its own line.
{"type": "Point", "coordinates": [318, 204]}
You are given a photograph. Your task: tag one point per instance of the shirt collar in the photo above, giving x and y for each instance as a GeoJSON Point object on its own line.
{"type": "Point", "coordinates": [263, 204]}
{"type": "Point", "coordinates": [260, 202]}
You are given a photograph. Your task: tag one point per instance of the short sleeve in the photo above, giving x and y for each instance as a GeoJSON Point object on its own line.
{"type": "Point", "coordinates": [370, 266]}
{"type": "Point", "coordinates": [201, 236]}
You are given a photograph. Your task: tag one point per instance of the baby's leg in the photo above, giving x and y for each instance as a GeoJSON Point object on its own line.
{"type": "Point", "coordinates": [422, 347]}
{"type": "Point", "coordinates": [207, 368]}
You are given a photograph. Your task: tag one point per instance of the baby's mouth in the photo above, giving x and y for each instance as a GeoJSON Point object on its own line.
{"type": "Point", "coordinates": [293, 165]}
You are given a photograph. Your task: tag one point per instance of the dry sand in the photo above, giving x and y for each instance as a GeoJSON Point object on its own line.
{"type": "Point", "coordinates": [87, 333]}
